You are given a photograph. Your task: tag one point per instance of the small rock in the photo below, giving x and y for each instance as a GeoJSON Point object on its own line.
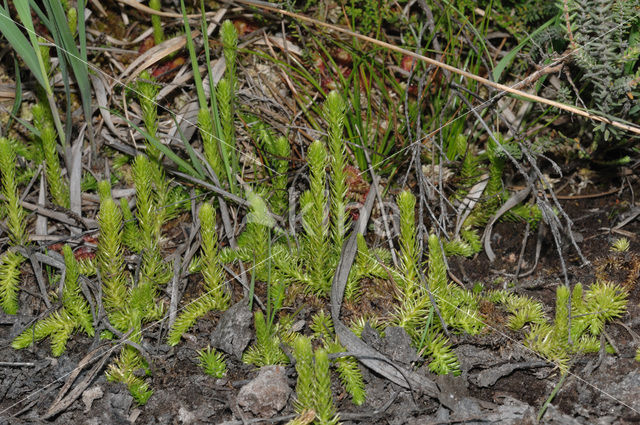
{"type": "Point", "coordinates": [233, 333]}
{"type": "Point", "coordinates": [90, 395]}
{"type": "Point", "coordinates": [371, 337]}
{"type": "Point", "coordinates": [185, 416]}
{"type": "Point", "coordinates": [267, 394]}
{"type": "Point", "coordinates": [553, 416]}
{"type": "Point", "coordinates": [397, 345]}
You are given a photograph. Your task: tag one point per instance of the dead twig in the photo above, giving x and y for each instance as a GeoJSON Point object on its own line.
{"type": "Point", "coordinates": [62, 402]}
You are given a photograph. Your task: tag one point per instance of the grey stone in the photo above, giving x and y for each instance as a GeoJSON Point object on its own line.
{"type": "Point", "coordinates": [233, 333]}
{"type": "Point", "coordinates": [397, 345]}
{"type": "Point", "coordinates": [267, 394]}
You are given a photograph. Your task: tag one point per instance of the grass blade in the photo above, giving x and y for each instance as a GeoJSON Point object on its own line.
{"type": "Point", "coordinates": [20, 44]}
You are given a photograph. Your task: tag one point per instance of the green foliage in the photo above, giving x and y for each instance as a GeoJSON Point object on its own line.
{"type": "Point", "coordinates": [409, 254]}
{"type": "Point", "coordinates": [281, 150]}
{"type": "Point", "coordinates": [212, 362]}
{"type": "Point", "coordinates": [158, 31]}
{"type": "Point", "coordinates": [15, 222]}
{"type": "Point", "coordinates": [444, 360]}
{"type": "Point", "coordinates": [277, 165]}
{"type": "Point", "coordinates": [215, 297]}
{"type": "Point", "coordinates": [72, 18]}
{"type": "Point", "coordinates": [349, 372]}
{"type": "Point", "coordinates": [523, 309]}
{"type": "Point", "coordinates": [558, 340]}
{"type": "Point", "coordinates": [109, 255]}
{"type": "Point", "coordinates": [212, 270]}
{"type": "Point", "coordinates": [125, 370]}
{"type": "Point", "coordinates": [10, 281]}
{"type": "Point", "coordinates": [131, 235]}
{"type": "Point", "coordinates": [325, 410]}
{"type": "Point", "coordinates": [415, 313]}
{"type": "Point", "coordinates": [60, 325]}
{"type": "Point", "coordinates": [72, 298]}
{"type": "Point", "coordinates": [347, 366]}
{"type": "Point", "coordinates": [15, 213]}
{"type": "Point", "coordinates": [225, 98]}
{"type": "Point", "coordinates": [605, 36]}
{"type": "Point", "coordinates": [57, 185]}
{"type": "Point", "coordinates": [229, 38]}
{"type": "Point", "coordinates": [212, 149]}
{"type": "Point", "coordinates": [620, 245]}
{"type": "Point", "coordinates": [334, 109]}
{"type": "Point", "coordinates": [437, 277]}
{"type": "Point", "coordinates": [458, 247]}
{"type": "Point", "coordinates": [603, 302]}
{"type": "Point", "coordinates": [369, 263]}
{"type": "Point", "coordinates": [147, 91]}
{"type": "Point", "coordinates": [303, 353]}
{"type": "Point", "coordinates": [150, 215]}
{"type": "Point", "coordinates": [257, 234]}
{"type": "Point", "coordinates": [357, 326]}
{"type": "Point", "coordinates": [266, 349]}
{"type": "Point", "coordinates": [316, 227]}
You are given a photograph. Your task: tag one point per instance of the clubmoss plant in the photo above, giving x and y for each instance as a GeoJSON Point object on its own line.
{"type": "Point", "coordinates": [369, 263]}
{"type": "Point", "coordinates": [165, 197]}
{"type": "Point", "coordinates": [75, 314]}
{"type": "Point", "coordinates": [210, 144]}
{"type": "Point", "coordinates": [620, 245]}
{"type": "Point", "coordinates": [414, 304]}
{"type": "Point", "coordinates": [415, 312]}
{"type": "Point", "coordinates": [158, 31]}
{"type": "Point", "coordinates": [10, 281]}
{"type": "Point", "coordinates": [72, 19]}
{"type": "Point", "coordinates": [573, 331]}
{"type": "Point", "coordinates": [224, 94]}
{"type": "Point", "coordinates": [256, 237]}
{"type": "Point", "coordinates": [314, 221]}
{"type": "Point", "coordinates": [212, 362]}
{"type": "Point", "coordinates": [523, 309]}
{"type": "Point", "coordinates": [15, 221]}
{"type": "Point", "coordinates": [312, 262]}
{"type": "Point", "coordinates": [303, 353]}
{"type": "Point", "coordinates": [334, 115]}
{"type": "Point", "coordinates": [215, 296]}
{"type": "Point", "coordinates": [229, 37]}
{"type": "Point", "coordinates": [127, 305]}
{"type": "Point", "coordinates": [277, 166]}
{"type": "Point", "coordinates": [325, 410]}
{"type": "Point", "coordinates": [346, 366]}
{"type": "Point", "coordinates": [58, 187]}
{"type": "Point", "coordinates": [109, 254]}
{"type": "Point", "coordinates": [126, 370]}
{"type": "Point", "coordinates": [150, 215]}
{"type": "Point", "coordinates": [266, 350]}
{"type": "Point", "coordinates": [15, 213]}
{"type": "Point", "coordinates": [147, 91]}
{"type": "Point", "coordinates": [458, 306]}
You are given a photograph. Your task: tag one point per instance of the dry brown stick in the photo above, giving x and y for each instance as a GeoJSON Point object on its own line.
{"type": "Point", "coordinates": [442, 65]}
{"type": "Point", "coordinates": [148, 10]}
{"type": "Point", "coordinates": [62, 402]}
